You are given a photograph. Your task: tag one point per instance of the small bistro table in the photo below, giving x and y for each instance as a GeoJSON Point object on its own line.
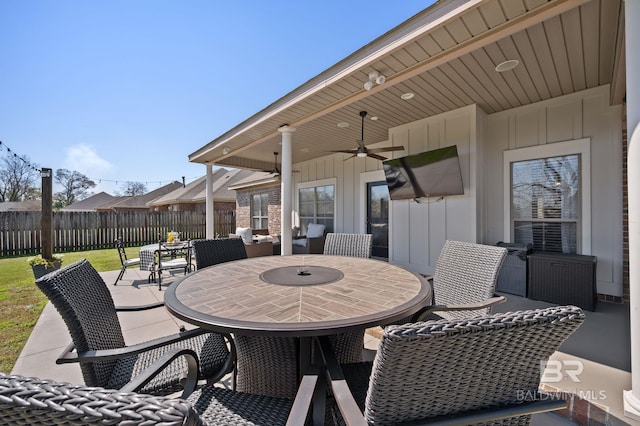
{"type": "Point", "coordinates": [298, 296]}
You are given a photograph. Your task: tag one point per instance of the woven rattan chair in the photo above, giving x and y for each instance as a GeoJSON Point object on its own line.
{"type": "Point", "coordinates": [464, 281]}
{"type": "Point", "coordinates": [124, 261]}
{"type": "Point", "coordinates": [156, 367]}
{"type": "Point", "coordinates": [481, 369]}
{"type": "Point", "coordinates": [348, 346]}
{"type": "Point", "coordinates": [212, 252]}
{"type": "Point", "coordinates": [32, 401]}
{"type": "Point", "coordinates": [354, 245]}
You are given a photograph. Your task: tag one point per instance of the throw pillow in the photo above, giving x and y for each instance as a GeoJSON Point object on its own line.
{"type": "Point", "coordinates": [315, 230]}
{"type": "Point", "coordinates": [246, 234]}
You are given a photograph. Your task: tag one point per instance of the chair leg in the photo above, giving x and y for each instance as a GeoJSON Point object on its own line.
{"type": "Point", "coordinates": [120, 275]}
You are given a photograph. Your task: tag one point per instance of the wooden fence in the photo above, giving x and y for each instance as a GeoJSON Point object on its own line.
{"type": "Point", "coordinates": [20, 232]}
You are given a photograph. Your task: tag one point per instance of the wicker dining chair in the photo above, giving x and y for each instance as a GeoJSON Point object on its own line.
{"type": "Point", "coordinates": [157, 366]}
{"type": "Point", "coordinates": [354, 245]}
{"type": "Point", "coordinates": [214, 251]}
{"type": "Point", "coordinates": [33, 401]}
{"type": "Point", "coordinates": [464, 281]}
{"type": "Point", "coordinates": [124, 261]}
{"type": "Point", "coordinates": [348, 346]}
{"type": "Point", "coordinates": [472, 371]}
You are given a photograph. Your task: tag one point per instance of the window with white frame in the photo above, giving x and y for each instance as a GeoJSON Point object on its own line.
{"type": "Point", "coordinates": [260, 211]}
{"type": "Point", "coordinates": [545, 202]}
{"type": "Point", "coordinates": [547, 194]}
{"type": "Point", "coordinates": [316, 204]}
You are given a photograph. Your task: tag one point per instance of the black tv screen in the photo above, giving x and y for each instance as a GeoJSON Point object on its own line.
{"type": "Point", "coordinates": [434, 173]}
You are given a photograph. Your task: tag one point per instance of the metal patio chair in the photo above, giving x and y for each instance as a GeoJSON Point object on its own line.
{"type": "Point", "coordinates": [157, 366]}
{"type": "Point", "coordinates": [462, 371]}
{"type": "Point", "coordinates": [33, 401]}
{"type": "Point", "coordinates": [168, 260]}
{"type": "Point", "coordinates": [124, 261]}
{"type": "Point", "coordinates": [214, 251]}
{"type": "Point", "coordinates": [464, 281]}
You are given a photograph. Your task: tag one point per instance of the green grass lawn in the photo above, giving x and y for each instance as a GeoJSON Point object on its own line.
{"type": "Point", "coordinates": [21, 302]}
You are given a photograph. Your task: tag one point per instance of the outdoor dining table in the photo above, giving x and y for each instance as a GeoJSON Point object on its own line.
{"type": "Point", "coordinates": [299, 296]}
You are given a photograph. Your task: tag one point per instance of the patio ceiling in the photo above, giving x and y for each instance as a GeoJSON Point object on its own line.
{"type": "Point", "coordinates": [446, 55]}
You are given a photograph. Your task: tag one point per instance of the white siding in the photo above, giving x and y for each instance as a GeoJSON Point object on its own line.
{"type": "Point", "coordinates": [418, 231]}
{"type": "Point", "coordinates": [585, 114]}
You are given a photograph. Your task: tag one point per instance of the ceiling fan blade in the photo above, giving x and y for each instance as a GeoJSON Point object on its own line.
{"type": "Point", "coordinates": [376, 156]}
{"type": "Point", "coordinates": [387, 149]}
{"type": "Point", "coordinates": [349, 158]}
{"type": "Point", "coordinates": [347, 151]}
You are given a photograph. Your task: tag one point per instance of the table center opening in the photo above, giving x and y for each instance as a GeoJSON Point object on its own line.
{"type": "Point", "coordinates": [301, 275]}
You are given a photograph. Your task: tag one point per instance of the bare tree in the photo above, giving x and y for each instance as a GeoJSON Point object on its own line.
{"type": "Point", "coordinates": [75, 187]}
{"type": "Point", "coordinates": [18, 179]}
{"type": "Point", "coordinates": [134, 188]}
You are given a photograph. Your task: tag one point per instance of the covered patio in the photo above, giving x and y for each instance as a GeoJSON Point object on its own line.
{"type": "Point", "coordinates": [504, 81]}
{"type": "Point", "coordinates": [602, 365]}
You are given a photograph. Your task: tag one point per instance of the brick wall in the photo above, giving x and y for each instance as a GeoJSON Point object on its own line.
{"type": "Point", "coordinates": [243, 207]}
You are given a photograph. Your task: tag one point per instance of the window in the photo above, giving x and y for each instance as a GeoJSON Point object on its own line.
{"type": "Point", "coordinates": [316, 205]}
{"type": "Point", "coordinates": [260, 211]}
{"type": "Point", "coordinates": [545, 197]}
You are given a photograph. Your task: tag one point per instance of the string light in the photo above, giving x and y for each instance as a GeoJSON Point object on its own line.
{"type": "Point", "coordinates": [39, 170]}
{"type": "Point", "coordinates": [28, 164]}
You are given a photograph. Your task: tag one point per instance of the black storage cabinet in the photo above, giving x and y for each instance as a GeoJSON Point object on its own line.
{"type": "Point", "coordinates": [565, 279]}
{"type": "Point", "coordinates": [512, 277]}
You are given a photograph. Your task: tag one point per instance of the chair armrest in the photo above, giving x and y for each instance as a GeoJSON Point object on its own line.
{"type": "Point", "coordinates": [139, 307]}
{"type": "Point", "coordinates": [304, 395]}
{"type": "Point", "coordinates": [341, 392]}
{"type": "Point", "coordinates": [421, 314]}
{"type": "Point", "coordinates": [70, 355]}
{"type": "Point", "coordinates": [190, 382]}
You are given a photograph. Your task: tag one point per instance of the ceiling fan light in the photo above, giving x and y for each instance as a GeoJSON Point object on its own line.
{"type": "Point", "coordinates": [361, 154]}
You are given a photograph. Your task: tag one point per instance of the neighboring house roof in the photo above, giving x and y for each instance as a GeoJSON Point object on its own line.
{"type": "Point", "coordinates": [91, 203]}
{"type": "Point", "coordinates": [196, 191]}
{"type": "Point", "coordinates": [256, 179]}
{"type": "Point", "coordinates": [21, 206]}
{"type": "Point", "coordinates": [142, 201]}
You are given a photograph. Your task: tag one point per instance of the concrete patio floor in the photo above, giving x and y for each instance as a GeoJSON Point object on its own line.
{"type": "Point", "coordinates": [600, 384]}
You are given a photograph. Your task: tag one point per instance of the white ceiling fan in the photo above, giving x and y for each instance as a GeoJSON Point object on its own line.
{"type": "Point", "coordinates": [362, 151]}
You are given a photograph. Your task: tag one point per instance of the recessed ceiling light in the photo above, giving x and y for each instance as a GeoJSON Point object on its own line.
{"type": "Point", "coordinates": [374, 118]}
{"type": "Point", "coordinates": [343, 125]}
{"type": "Point", "coordinates": [304, 149]}
{"type": "Point", "coordinates": [507, 65]}
{"type": "Point", "coordinates": [407, 96]}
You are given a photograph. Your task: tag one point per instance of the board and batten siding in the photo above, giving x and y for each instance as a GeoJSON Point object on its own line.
{"type": "Point", "coordinates": [417, 231]}
{"type": "Point", "coordinates": [581, 115]}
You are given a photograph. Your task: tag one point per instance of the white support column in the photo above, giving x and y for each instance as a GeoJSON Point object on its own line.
{"type": "Point", "coordinates": [286, 190]}
{"type": "Point", "coordinates": [632, 34]}
{"type": "Point", "coordinates": [209, 203]}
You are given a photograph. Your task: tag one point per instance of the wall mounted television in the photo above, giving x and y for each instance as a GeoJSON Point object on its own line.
{"type": "Point", "coordinates": [434, 173]}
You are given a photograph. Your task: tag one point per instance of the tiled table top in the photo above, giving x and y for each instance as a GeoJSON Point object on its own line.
{"type": "Point", "coordinates": [232, 297]}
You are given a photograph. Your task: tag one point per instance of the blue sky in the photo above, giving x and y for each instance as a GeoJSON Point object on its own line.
{"type": "Point", "coordinates": [126, 90]}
